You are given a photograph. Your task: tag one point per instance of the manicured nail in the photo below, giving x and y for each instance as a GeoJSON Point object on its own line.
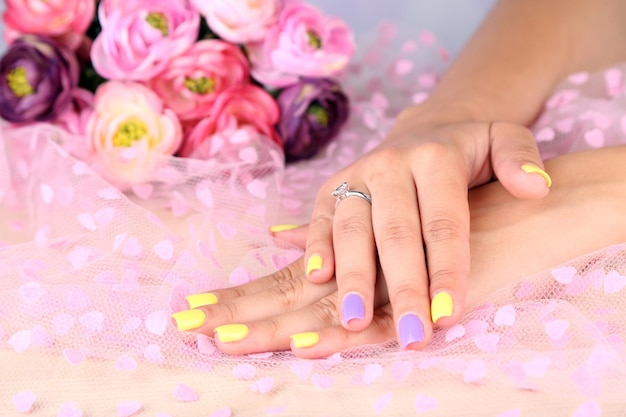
{"type": "Point", "coordinates": [352, 308]}
{"type": "Point", "coordinates": [441, 306]}
{"type": "Point", "coordinates": [314, 264]}
{"type": "Point", "coordinates": [411, 329]}
{"type": "Point", "coordinates": [189, 319]}
{"type": "Point", "coordinates": [534, 169]}
{"type": "Point", "coordinates": [199, 300]}
{"type": "Point", "coordinates": [283, 227]}
{"type": "Point", "coordinates": [231, 332]}
{"type": "Point", "coordinates": [305, 340]}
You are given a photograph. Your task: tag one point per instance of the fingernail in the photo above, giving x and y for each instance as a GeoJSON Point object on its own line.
{"type": "Point", "coordinates": [305, 340]}
{"type": "Point", "coordinates": [231, 332]}
{"type": "Point", "coordinates": [314, 264]}
{"type": "Point", "coordinates": [189, 319]}
{"type": "Point", "coordinates": [352, 308]}
{"type": "Point", "coordinates": [534, 169]}
{"type": "Point", "coordinates": [199, 300]}
{"type": "Point", "coordinates": [441, 306]}
{"type": "Point", "coordinates": [411, 329]}
{"type": "Point", "coordinates": [283, 227]}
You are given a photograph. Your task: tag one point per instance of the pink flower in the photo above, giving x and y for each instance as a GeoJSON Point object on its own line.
{"type": "Point", "coordinates": [75, 120]}
{"type": "Point", "coordinates": [303, 43]}
{"type": "Point", "coordinates": [239, 21]}
{"type": "Point", "coordinates": [191, 82]}
{"type": "Point", "coordinates": [49, 18]}
{"type": "Point", "coordinates": [139, 37]}
{"type": "Point", "coordinates": [242, 112]}
{"type": "Point", "coordinates": [130, 131]}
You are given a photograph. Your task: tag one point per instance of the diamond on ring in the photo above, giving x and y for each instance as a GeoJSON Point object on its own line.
{"type": "Point", "coordinates": [343, 191]}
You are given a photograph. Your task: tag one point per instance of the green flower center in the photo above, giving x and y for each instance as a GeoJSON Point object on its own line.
{"type": "Point", "coordinates": [314, 40]}
{"type": "Point", "coordinates": [320, 113]}
{"type": "Point", "coordinates": [202, 85]}
{"type": "Point", "coordinates": [159, 22]}
{"type": "Point", "coordinates": [18, 82]}
{"type": "Point", "coordinates": [128, 132]}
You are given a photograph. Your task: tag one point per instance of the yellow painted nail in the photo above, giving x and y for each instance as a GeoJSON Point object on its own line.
{"type": "Point", "coordinates": [189, 319]}
{"type": "Point", "coordinates": [305, 340]}
{"type": "Point", "coordinates": [283, 227]}
{"type": "Point", "coordinates": [441, 306]}
{"type": "Point", "coordinates": [314, 264]}
{"type": "Point", "coordinates": [231, 332]}
{"type": "Point", "coordinates": [199, 300]}
{"type": "Point", "coordinates": [534, 169]}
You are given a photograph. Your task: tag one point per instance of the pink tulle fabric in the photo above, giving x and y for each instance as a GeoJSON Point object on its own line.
{"type": "Point", "coordinates": [90, 276]}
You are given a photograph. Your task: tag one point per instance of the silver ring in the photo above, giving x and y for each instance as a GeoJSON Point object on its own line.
{"type": "Point", "coordinates": [343, 191]}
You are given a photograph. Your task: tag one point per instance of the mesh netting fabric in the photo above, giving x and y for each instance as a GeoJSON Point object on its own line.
{"type": "Point", "coordinates": [90, 276]}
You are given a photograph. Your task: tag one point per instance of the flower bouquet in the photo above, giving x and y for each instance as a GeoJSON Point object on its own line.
{"type": "Point", "coordinates": [131, 82]}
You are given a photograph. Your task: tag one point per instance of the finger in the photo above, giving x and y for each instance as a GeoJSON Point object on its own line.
{"type": "Point", "coordinates": [441, 179]}
{"type": "Point", "coordinates": [319, 257]}
{"type": "Point", "coordinates": [401, 252]}
{"type": "Point", "coordinates": [355, 260]}
{"type": "Point", "coordinates": [516, 161]}
{"type": "Point", "coordinates": [286, 296]}
{"type": "Point", "coordinates": [296, 235]}
{"type": "Point", "coordinates": [329, 340]}
{"type": "Point", "coordinates": [272, 334]}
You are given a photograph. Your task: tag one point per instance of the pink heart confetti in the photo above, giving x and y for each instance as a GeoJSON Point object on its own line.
{"type": "Point", "coordinates": [526, 289]}
{"type": "Point", "coordinates": [125, 363]}
{"type": "Point", "coordinates": [263, 385]}
{"type": "Point", "coordinates": [157, 321]}
{"type": "Point", "coordinates": [128, 408]}
{"type": "Point", "coordinates": [164, 250]}
{"type": "Point", "coordinates": [24, 401]}
{"type": "Point", "coordinates": [185, 394]}
{"type": "Point", "coordinates": [249, 155]}
{"type": "Point", "coordinates": [537, 366]}
{"type": "Point", "coordinates": [475, 371]}
{"type": "Point", "coordinates": [31, 292]}
{"type": "Point", "coordinates": [79, 256]}
{"type": "Point", "coordinates": [562, 98]}
{"type": "Point", "coordinates": [206, 345]}
{"type": "Point", "coordinates": [257, 188]}
{"type": "Point", "coordinates": [63, 323]}
{"type": "Point", "coordinates": [427, 38]}
{"type": "Point", "coordinates": [382, 402]}
{"type": "Point", "coordinates": [564, 275]}
{"type": "Point", "coordinates": [614, 282]}
{"type": "Point", "coordinates": [455, 332]}
{"type": "Point", "coordinates": [93, 321]}
{"type": "Point", "coordinates": [425, 403]}
{"type": "Point", "coordinates": [595, 138]}
{"type": "Point", "coordinates": [74, 357]}
{"type": "Point", "coordinates": [565, 125]}
{"type": "Point", "coordinates": [322, 381]}
{"type": "Point", "coordinates": [20, 341]}
{"type": "Point", "coordinates": [80, 168]}
{"type": "Point", "coordinates": [487, 342]}
{"type": "Point", "coordinates": [578, 78]}
{"type": "Point", "coordinates": [302, 368]}
{"type": "Point", "coordinates": [104, 217]}
{"type": "Point", "coordinates": [143, 191]}
{"type": "Point", "coordinates": [588, 409]}
{"type": "Point", "coordinates": [69, 409]}
{"type": "Point", "coordinates": [244, 371]}
{"type": "Point", "coordinates": [403, 67]}
{"type": "Point", "coordinates": [132, 248]}
{"type": "Point", "coordinates": [419, 97]}
{"type": "Point", "coordinates": [546, 134]}
{"type": "Point", "coordinates": [372, 372]}
{"type": "Point", "coordinates": [131, 324]}
{"type": "Point", "coordinates": [152, 353]}
{"type": "Point", "coordinates": [47, 193]}
{"type": "Point", "coordinates": [505, 316]}
{"type": "Point", "coordinates": [86, 220]}
{"type": "Point", "coordinates": [205, 196]}
{"type": "Point", "coordinates": [226, 230]}
{"type": "Point", "coordinates": [613, 78]}
{"type": "Point", "coordinates": [77, 299]}
{"type": "Point", "coordinates": [239, 275]}
{"type": "Point", "coordinates": [401, 370]}
{"type": "Point", "coordinates": [555, 329]}
{"type": "Point", "coordinates": [222, 412]}
{"type": "Point", "coordinates": [109, 194]}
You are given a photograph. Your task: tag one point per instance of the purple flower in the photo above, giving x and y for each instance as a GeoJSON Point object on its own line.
{"type": "Point", "coordinates": [37, 77]}
{"type": "Point", "coordinates": [312, 112]}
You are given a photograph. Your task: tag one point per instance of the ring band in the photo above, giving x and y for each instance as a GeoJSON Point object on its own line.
{"type": "Point", "coordinates": [343, 191]}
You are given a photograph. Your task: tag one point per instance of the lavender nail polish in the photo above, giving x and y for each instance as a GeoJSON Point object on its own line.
{"type": "Point", "coordinates": [352, 308]}
{"type": "Point", "coordinates": [411, 329]}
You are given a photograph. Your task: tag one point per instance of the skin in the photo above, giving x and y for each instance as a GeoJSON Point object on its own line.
{"type": "Point", "coordinates": [510, 239]}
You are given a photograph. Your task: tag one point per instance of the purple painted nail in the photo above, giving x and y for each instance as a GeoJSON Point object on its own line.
{"type": "Point", "coordinates": [352, 308]}
{"type": "Point", "coordinates": [411, 329]}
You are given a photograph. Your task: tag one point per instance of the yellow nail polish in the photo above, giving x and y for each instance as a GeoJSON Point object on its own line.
{"type": "Point", "coordinates": [189, 319]}
{"type": "Point", "coordinates": [305, 340]}
{"type": "Point", "coordinates": [534, 169]}
{"type": "Point", "coordinates": [314, 264]}
{"type": "Point", "coordinates": [231, 332]}
{"type": "Point", "coordinates": [441, 306]}
{"type": "Point", "coordinates": [199, 300]}
{"type": "Point", "coordinates": [283, 227]}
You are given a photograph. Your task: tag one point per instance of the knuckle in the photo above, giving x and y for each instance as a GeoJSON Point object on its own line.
{"type": "Point", "coordinates": [326, 311]}
{"type": "Point", "coordinates": [406, 293]}
{"type": "Point", "coordinates": [432, 153]}
{"type": "Point", "coordinates": [445, 276]}
{"type": "Point", "coordinates": [398, 232]}
{"type": "Point", "coordinates": [442, 228]}
{"type": "Point", "coordinates": [229, 311]}
{"type": "Point", "coordinates": [352, 226]}
{"type": "Point", "coordinates": [287, 293]}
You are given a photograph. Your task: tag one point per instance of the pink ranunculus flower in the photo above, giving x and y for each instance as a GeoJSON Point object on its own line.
{"type": "Point", "coordinates": [50, 18]}
{"type": "Point", "coordinates": [304, 42]}
{"type": "Point", "coordinates": [239, 21]}
{"type": "Point", "coordinates": [139, 37]}
{"type": "Point", "coordinates": [242, 112]}
{"type": "Point", "coordinates": [130, 131]}
{"type": "Point", "coordinates": [191, 82]}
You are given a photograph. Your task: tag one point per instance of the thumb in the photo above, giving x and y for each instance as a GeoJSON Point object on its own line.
{"type": "Point", "coordinates": [516, 161]}
{"type": "Point", "coordinates": [296, 235]}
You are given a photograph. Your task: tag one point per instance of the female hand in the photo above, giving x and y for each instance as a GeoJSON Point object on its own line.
{"type": "Point", "coordinates": [510, 239]}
